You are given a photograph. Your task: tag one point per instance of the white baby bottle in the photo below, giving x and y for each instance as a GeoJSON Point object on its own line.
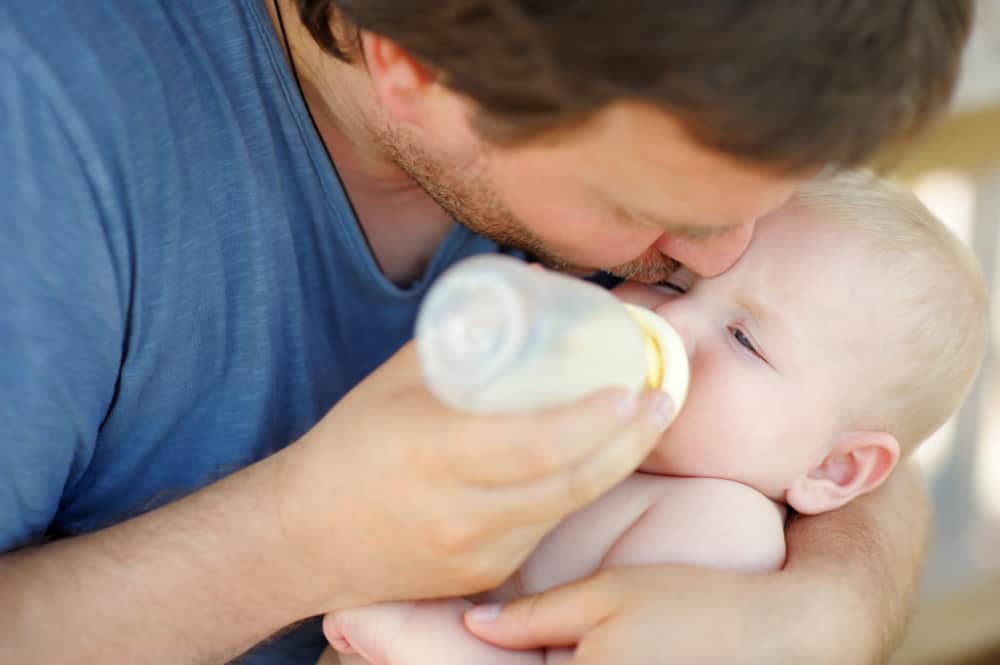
{"type": "Point", "coordinates": [494, 335]}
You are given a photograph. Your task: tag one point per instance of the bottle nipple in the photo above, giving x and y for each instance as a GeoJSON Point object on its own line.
{"type": "Point", "coordinates": [666, 358]}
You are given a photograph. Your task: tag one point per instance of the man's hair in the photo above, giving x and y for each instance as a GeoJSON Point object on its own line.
{"type": "Point", "coordinates": [789, 84]}
{"type": "Point", "coordinates": [934, 296]}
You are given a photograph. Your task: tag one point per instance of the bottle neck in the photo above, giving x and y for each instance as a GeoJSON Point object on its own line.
{"type": "Point", "coordinates": [654, 352]}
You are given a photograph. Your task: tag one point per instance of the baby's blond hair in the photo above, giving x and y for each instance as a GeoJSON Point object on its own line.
{"type": "Point", "coordinates": [936, 281]}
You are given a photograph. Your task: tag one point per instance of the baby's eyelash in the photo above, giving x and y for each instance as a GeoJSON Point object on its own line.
{"type": "Point", "coordinates": [744, 340]}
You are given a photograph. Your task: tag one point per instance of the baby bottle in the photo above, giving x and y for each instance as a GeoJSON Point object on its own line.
{"type": "Point", "coordinates": [494, 335]}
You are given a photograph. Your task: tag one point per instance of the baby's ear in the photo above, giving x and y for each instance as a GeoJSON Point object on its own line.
{"type": "Point", "coordinates": [859, 461]}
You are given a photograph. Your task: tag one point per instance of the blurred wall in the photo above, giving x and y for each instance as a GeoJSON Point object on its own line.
{"type": "Point", "coordinates": [955, 169]}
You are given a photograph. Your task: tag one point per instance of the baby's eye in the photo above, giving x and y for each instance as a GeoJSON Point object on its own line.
{"type": "Point", "coordinates": [745, 341]}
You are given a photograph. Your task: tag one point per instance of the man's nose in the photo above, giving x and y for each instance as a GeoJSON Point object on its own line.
{"type": "Point", "coordinates": [707, 256]}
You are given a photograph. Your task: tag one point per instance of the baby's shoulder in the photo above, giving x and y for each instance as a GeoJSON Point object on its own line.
{"type": "Point", "coordinates": [703, 521]}
{"type": "Point", "coordinates": [714, 497]}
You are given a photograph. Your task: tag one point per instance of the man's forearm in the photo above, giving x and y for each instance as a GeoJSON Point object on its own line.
{"type": "Point", "coordinates": [868, 556]}
{"type": "Point", "coordinates": [197, 581]}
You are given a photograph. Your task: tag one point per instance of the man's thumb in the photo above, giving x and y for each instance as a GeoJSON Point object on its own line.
{"type": "Point", "coordinates": [557, 618]}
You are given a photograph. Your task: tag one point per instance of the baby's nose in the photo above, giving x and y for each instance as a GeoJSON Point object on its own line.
{"type": "Point", "coordinates": [679, 317]}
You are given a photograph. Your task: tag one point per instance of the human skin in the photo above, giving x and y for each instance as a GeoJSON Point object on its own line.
{"type": "Point", "coordinates": [834, 584]}
{"type": "Point", "coordinates": [289, 561]}
{"type": "Point", "coordinates": [225, 567]}
{"type": "Point", "coordinates": [778, 345]}
{"type": "Point", "coordinates": [796, 614]}
{"type": "Point", "coordinates": [645, 519]}
{"type": "Point", "coordinates": [874, 612]}
{"type": "Point", "coordinates": [871, 595]}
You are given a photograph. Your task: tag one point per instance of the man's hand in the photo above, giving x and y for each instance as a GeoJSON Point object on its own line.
{"type": "Point", "coordinates": [390, 496]}
{"type": "Point", "coordinates": [394, 496]}
{"type": "Point", "coordinates": [648, 615]}
{"type": "Point", "coordinates": [843, 597]}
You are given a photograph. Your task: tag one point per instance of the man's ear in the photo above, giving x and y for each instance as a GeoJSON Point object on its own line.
{"type": "Point", "coordinates": [399, 80]}
{"type": "Point", "coordinates": [859, 461]}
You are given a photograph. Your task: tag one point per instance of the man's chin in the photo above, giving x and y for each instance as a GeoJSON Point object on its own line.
{"type": "Point", "coordinates": [647, 271]}
{"type": "Point", "coordinates": [559, 265]}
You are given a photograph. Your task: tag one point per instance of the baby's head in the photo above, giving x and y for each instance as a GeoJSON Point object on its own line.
{"type": "Point", "coordinates": [849, 331]}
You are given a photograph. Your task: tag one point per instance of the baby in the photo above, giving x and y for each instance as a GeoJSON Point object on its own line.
{"type": "Point", "coordinates": [849, 331]}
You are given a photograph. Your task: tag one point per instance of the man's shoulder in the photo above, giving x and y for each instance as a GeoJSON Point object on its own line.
{"type": "Point", "coordinates": [134, 101]}
{"type": "Point", "coordinates": [108, 66]}
{"type": "Point", "coordinates": [70, 36]}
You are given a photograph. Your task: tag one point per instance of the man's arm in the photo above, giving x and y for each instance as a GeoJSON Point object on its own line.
{"type": "Point", "coordinates": [872, 551]}
{"type": "Point", "coordinates": [389, 480]}
{"type": "Point", "coordinates": [198, 581]}
{"type": "Point", "coordinates": [843, 597]}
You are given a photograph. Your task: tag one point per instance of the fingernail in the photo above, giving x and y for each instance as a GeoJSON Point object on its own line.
{"type": "Point", "coordinates": [484, 613]}
{"type": "Point", "coordinates": [626, 405]}
{"type": "Point", "coordinates": [661, 410]}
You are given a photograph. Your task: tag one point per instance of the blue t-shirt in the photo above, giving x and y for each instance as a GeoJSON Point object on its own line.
{"type": "Point", "coordinates": [183, 286]}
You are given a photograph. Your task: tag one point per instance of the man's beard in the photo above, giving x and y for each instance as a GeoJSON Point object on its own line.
{"type": "Point", "coordinates": [467, 197]}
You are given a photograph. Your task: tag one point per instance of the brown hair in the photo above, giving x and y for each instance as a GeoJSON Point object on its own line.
{"type": "Point", "coordinates": [791, 84]}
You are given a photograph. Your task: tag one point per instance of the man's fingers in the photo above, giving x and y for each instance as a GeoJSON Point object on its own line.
{"type": "Point", "coordinates": [620, 456]}
{"type": "Point", "coordinates": [556, 496]}
{"type": "Point", "coordinates": [508, 450]}
{"type": "Point", "coordinates": [558, 617]}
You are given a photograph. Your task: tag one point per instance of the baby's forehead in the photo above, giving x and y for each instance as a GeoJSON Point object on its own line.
{"type": "Point", "coordinates": [821, 273]}
{"type": "Point", "coordinates": [805, 250]}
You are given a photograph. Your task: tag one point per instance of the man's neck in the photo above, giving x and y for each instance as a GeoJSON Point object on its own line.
{"type": "Point", "coordinates": [402, 223]}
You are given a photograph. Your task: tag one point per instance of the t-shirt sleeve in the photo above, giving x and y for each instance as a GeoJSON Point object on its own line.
{"type": "Point", "coordinates": [61, 306]}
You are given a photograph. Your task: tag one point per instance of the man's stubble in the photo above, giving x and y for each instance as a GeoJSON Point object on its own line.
{"type": "Point", "coordinates": [468, 198]}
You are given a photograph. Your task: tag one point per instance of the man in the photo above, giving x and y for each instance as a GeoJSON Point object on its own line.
{"type": "Point", "coordinates": [219, 220]}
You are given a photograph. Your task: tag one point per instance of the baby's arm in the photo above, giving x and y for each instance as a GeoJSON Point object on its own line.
{"type": "Point", "coordinates": [414, 633]}
{"type": "Point", "coordinates": [650, 520]}
{"type": "Point", "coordinates": [645, 520]}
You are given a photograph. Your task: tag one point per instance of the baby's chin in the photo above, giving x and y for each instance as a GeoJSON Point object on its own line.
{"type": "Point", "coordinates": [650, 465]}
{"type": "Point", "coordinates": [664, 461]}
{"type": "Point", "coordinates": [657, 464]}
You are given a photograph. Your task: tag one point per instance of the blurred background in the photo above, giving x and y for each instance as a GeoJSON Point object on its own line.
{"type": "Point", "coordinates": [955, 170]}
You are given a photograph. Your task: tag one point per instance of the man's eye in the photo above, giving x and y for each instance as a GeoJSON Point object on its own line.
{"type": "Point", "coordinates": [680, 280]}
{"type": "Point", "coordinates": [745, 341]}
{"type": "Point", "coordinates": [673, 287]}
